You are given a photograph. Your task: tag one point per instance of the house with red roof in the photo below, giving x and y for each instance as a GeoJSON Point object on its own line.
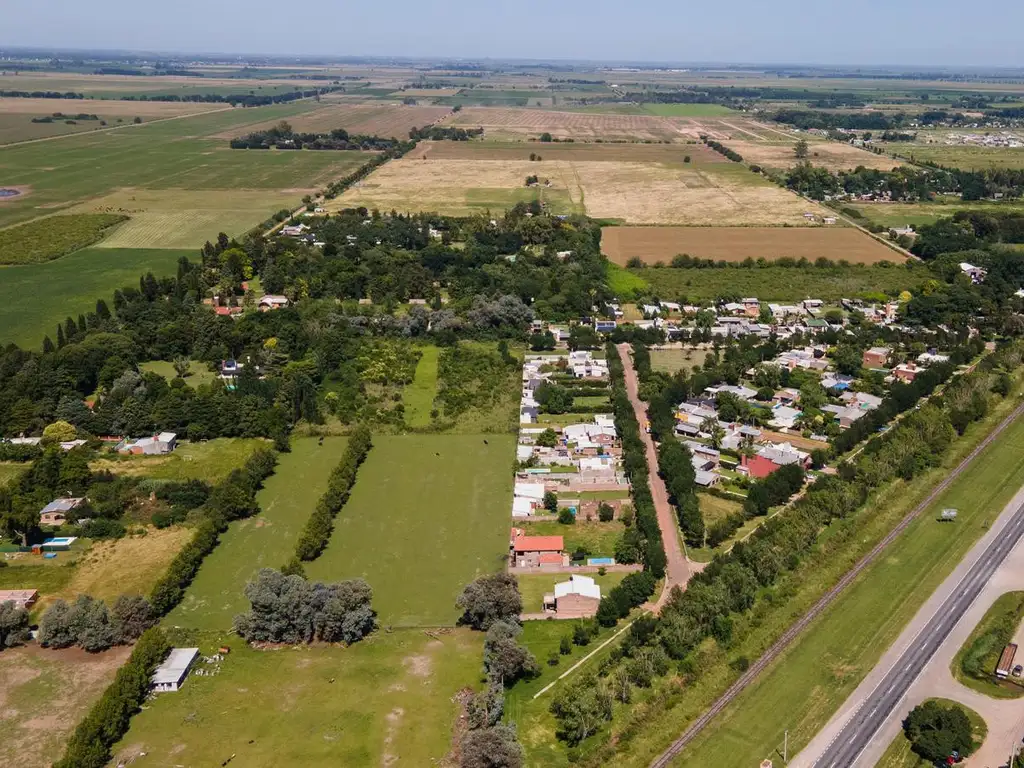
{"type": "Point", "coordinates": [536, 551]}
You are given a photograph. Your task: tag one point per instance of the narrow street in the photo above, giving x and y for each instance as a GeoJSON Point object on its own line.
{"type": "Point", "coordinates": [678, 569]}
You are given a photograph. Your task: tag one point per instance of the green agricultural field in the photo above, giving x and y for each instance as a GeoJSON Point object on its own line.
{"type": "Point", "coordinates": [900, 755]}
{"type": "Point", "coordinates": [965, 157]}
{"type": "Point", "coordinates": [198, 373]}
{"type": "Point", "coordinates": [50, 238]}
{"type": "Point", "coordinates": [35, 297]}
{"type": "Point", "coordinates": [389, 699]}
{"type": "Point", "coordinates": [264, 541]}
{"type": "Point", "coordinates": [597, 538]}
{"type": "Point", "coordinates": [802, 690]}
{"type": "Point", "coordinates": [533, 587]}
{"type": "Point", "coordinates": [210, 461]}
{"type": "Point", "coordinates": [688, 110]}
{"type": "Point", "coordinates": [49, 579]}
{"type": "Point", "coordinates": [418, 397]}
{"type": "Point", "coordinates": [625, 284]}
{"type": "Point", "coordinates": [185, 154]}
{"type": "Point", "coordinates": [428, 514]}
{"type": "Point", "coordinates": [975, 662]}
{"type": "Point", "coordinates": [918, 214]}
{"type": "Point", "coordinates": [780, 283]}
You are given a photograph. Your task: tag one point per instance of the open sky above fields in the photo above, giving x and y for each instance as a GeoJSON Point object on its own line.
{"type": "Point", "coordinates": [769, 32]}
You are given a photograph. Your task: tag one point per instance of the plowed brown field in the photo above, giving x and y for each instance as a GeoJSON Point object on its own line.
{"type": "Point", "coordinates": [653, 244]}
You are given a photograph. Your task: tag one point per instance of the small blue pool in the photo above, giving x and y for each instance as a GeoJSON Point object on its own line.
{"type": "Point", "coordinates": [600, 561]}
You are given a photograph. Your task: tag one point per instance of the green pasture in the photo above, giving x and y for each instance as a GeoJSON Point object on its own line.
{"type": "Point", "coordinates": [919, 214]}
{"type": "Point", "coordinates": [975, 663]}
{"type": "Point", "coordinates": [209, 460]}
{"type": "Point", "coordinates": [418, 397]}
{"type": "Point", "coordinates": [672, 360]}
{"type": "Point", "coordinates": [968, 158]}
{"type": "Point", "coordinates": [428, 514]}
{"type": "Point", "coordinates": [47, 239]}
{"type": "Point", "coordinates": [35, 297]}
{"type": "Point", "coordinates": [264, 541]}
{"type": "Point", "coordinates": [390, 698]}
{"type": "Point", "coordinates": [688, 110]}
{"type": "Point", "coordinates": [198, 373]}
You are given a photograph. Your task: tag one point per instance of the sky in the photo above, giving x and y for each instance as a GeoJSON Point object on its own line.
{"type": "Point", "coordinates": [946, 33]}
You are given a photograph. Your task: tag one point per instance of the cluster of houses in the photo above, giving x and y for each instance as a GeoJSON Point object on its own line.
{"type": "Point", "coordinates": [539, 369]}
{"type": "Point", "coordinates": [266, 303]}
{"type": "Point", "coordinates": [878, 359]}
{"type": "Point", "coordinates": [993, 139]}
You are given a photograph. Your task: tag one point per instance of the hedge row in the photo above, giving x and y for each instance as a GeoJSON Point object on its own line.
{"type": "Point", "coordinates": [108, 720]}
{"type": "Point", "coordinates": [240, 486]}
{"type": "Point", "coordinates": [634, 461]}
{"type": "Point", "coordinates": [318, 528]}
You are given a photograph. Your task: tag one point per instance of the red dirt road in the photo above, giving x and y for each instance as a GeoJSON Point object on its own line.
{"type": "Point", "coordinates": [679, 569]}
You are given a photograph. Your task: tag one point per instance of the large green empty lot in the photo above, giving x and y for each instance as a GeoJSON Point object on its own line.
{"type": "Point", "coordinates": [386, 700]}
{"type": "Point", "coordinates": [428, 514]}
{"type": "Point", "coordinates": [264, 541]}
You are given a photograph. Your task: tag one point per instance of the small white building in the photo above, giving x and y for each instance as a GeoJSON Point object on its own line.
{"type": "Point", "coordinates": [172, 673]}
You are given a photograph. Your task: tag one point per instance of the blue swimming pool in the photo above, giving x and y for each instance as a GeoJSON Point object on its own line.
{"type": "Point", "coordinates": [600, 561]}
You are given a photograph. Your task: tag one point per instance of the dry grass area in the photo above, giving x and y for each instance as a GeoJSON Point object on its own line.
{"type": "Point", "coordinates": [523, 123]}
{"type": "Point", "coordinates": [699, 154]}
{"type": "Point", "coordinates": [719, 194]}
{"type": "Point", "coordinates": [425, 93]}
{"type": "Point", "coordinates": [388, 120]}
{"type": "Point", "coordinates": [452, 187]}
{"type": "Point", "coordinates": [128, 566]}
{"type": "Point", "coordinates": [43, 695]}
{"type": "Point", "coordinates": [650, 193]}
{"type": "Point", "coordinates": [828, 154]}
{"type": "Point", "coordinates": [653, 244]}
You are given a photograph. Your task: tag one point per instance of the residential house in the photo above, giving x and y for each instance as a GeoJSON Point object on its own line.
{"type": "Point", "coordinates": [577, 598]}
{"type": "Point", "coordinates": [743, 393]}
{"type": "Point", "coordinates": [536, 551]}
{"type": "Point", "coordinates": [706, 479]}
{"type": "Point", "coordinates": [271, 301]}
{"type": "Point", "coordinates": [770, 457]}
{"type": "Point", "coordinates": [836, 381]}
{"type": "Point", "coordinates": [704, 456]}
{"type": "Point", "coordinates": [650, 310]}
{"type": "Point", "coordinates": [22, 598]}
{"type": "Point", "coordinates": [671, 306]}
{"type": "Point", "coordinates": [876, 357]}
{"type": "Point", "coordinates": [604, 326]}
{"type": "Point", "coordinates": [163, 443]}
{"type": "Point", "coordinates": [930, 357]}
{"type": "Point", "coordinates": [906, 372]}
{"type": "Point", "coordinates": [170, 675]}
{"type": "Point", "coordinates": [294, 231]}
{"type": "Point", "coordinates": [977, 274]}
{"type": "Point", "coordinates": [56, 512]}
{"type": "Point", "coordinates": [784, 417]}
{"type": "Point", "coordinates": [845, 414]}
{"type": "Point", "coordinates": [751, 307]}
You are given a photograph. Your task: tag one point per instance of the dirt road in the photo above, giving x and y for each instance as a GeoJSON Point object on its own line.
{"type": "Point", "coordinates": [678, 569]}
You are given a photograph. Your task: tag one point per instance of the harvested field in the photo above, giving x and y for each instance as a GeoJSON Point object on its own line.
{"type": "Point", "coordinates": [425, 93]}
{"type": "Point", "coordinates": [524, 123]}
{"type": "Point", "coordinates": [827, 154]}
{"type": "Point", "coordinates": [369, 119]}
{"type": "Point", "coordinates": [653, 244]}
{"type": "Point", "coordinates": [43, 695]}
{"type": "Point", "coordinates": [454, 187]}
{"type": "Point", "coordinates": [699, 154]}
{"type": "Point", "coordinates": [718, 194]}
{"type": "Point", "coordinates": [648, 193]}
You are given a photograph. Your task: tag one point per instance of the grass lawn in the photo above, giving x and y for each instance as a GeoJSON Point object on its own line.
{"type": "Point", "coordinates": [533, 587]}
{"type": "Point", "coordinates": [11, 471]}
{"type": "Point", "coordinates": [623, 283]}
{"type": "Point", "coordinates": [418, 397]}
{"type": "Point", "coordinates": [44, 694]}
{"type": "Point", "coordinates": [264, 541]}
{"type": "Point", "coordinates": [672, 360]}
{"type": "Point", "coordinates": [50, 579]}
{"type": "Point", "coordinates": [209, 460]}
{"type": "Point", "coordinates": [975, 663]}
{"type": "Point", "coordinates": [428, 514]}
{"type": "Point", "coordinates": [596, 537]}
{"type": "Point", "coordinates": [35, 297]}
{"type": "Point", "coordinates": [899, 754]}
{"type": "Point", "coordinates": [387, 699]}
{"type": "Point", "coordinates": [198, 374]}
{"type": "Point", "coordinates": [802, 689]}
{"type": "Point", "coordinates": [918, 214]}
{"type": "Point", "coordinates": [595, 495]}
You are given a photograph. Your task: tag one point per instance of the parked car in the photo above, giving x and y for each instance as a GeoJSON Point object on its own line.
{"type": "Point", "coordinates": [1017, 670]}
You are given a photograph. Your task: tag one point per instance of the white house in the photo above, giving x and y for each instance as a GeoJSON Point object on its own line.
{"type": "Point", "coordinates": [172, 673]}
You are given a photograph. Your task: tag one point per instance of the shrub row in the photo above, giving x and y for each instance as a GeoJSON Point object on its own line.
{"type": "Point", "coordinates": [721, 149]}
{"type": "Point", "coordinates": [631, 592]}
{"type": "Point", "coordinates": [89, 746]}
{"type": "Point", "coordinates": [231, 499]}
{"type": "Point", "coordinates": [335, 188]}
{"type": "Point", "coordinates": [675, 463]}
{"type": "Point", "coordinates": [318, 528]}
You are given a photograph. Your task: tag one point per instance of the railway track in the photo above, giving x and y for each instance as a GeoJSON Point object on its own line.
{"type": "Point", "coordinates": [826, 600]}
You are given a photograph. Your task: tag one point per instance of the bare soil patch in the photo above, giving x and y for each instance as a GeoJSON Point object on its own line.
{"type": "Point", "coordinates": [653, 244]}
{"type": "Point", "coordinates": [45, 693]}
{"type": "Point", "coordinates": [831, 155]}
{"type": "Point", "coordinates": [638, 153]}
{"type": "Point", "coordinates": [585, 126]}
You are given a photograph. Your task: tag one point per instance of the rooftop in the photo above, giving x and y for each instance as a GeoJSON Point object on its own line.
{"type": "Point", "coordinates": [174, 666]}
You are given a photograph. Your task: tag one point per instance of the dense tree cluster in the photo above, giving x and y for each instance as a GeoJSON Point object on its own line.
{"type": "Point", "coordinates": [88, 624]}
{"type": "Point", "coordinates": [282, 136]}
{"type": "Point", "coordinates": [906, 183]}
{"type": "Point", "coordinates": [490, 599]}
{"type": "Point", "coordinates": [721, 149]}
{"type": "Point", "coordinates": [14, 626]}
{"type": "Point", "coordinates": [675, 463]}
{"type": "Point", "coordinates": [444, 133]}
{"type": "Point", "coordinates": [289, 609]}
{"type": "Point", "coordinates": [936, 730]}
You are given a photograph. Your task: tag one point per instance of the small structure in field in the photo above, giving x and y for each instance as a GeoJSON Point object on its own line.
{"type": "Point", "coordinates": [56, 512]}
{"type": "Point", "coordinates": [948, 515]}
{"type": "Point", "coordinates": [172, 673]}
{"type": "Point", "coordinates": [22, 598]}
{"type": "Point", "coordinates": [156, 445]}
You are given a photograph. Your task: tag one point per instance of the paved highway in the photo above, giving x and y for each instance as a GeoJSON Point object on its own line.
{"type": "Point", "coordinates": [855, 736]}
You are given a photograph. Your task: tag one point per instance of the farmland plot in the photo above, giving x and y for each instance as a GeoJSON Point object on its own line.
{"type": "Point", "coordinates": [524, 123]}
{"type": "Point", "coordinates": [827, 154]}
{"type": "Point", "coordinates": [387, 120]}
